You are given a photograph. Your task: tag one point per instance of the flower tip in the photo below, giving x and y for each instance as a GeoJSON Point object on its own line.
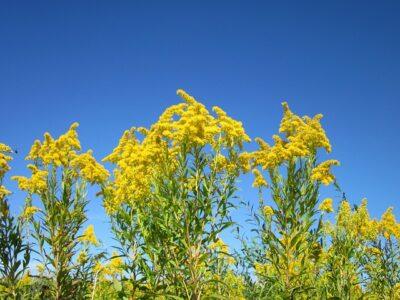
{"type": "Point", "coordinates": [74, 126]}
{"type": "Point", "coordinates": [185, 96]}
{"type": "Point", "coordinates": [182, 93]}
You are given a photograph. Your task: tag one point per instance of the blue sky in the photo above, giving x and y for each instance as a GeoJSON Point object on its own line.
{"type": "Point", "coordinates": [111, 65]}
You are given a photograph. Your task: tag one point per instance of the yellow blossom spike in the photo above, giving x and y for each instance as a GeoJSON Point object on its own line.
{"type": "Point", "coordinates": [389, 225]}
{"type": "Point", "coordinates": [89, 236]}
{"type": "Point", "coordinates": [326, 205]}
{"type": "Point", "coordinates": [74, 126]}
{"type": "Point", "coordinates": [36, 184]}
{"type": "Point", "coordinates": [185, 96]}
{"type": "Point", "coordinates": [82, 257]}
{"type": "Point", "coordinates": [268, 211]}
{"type": "Point", "coordinates": [4, 159]}
{"type": "Point", "coordinates": [303, 136]}
{"type": "Point", "coordinates": [29, 212]}
{"type": "Point", "coordinates": [115, 264]}
{"type": "Point", "coordinates": [86, 166]}
{"type": "Point", "coordinates": [322, 172]}
{"type": "Point", "coordinates": [3, 191]}
{"type": "Point", "coordinates": [259, 180]}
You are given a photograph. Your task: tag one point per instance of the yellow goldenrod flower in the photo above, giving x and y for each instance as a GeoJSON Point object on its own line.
{"type": "Point", "coordinates": [220, 245]}
{"type": "Point", "coordinates": [268, 211]}
{"type": "Point", "coordinates": [373, 251]}
{"type": "Point", "coordinates": [396, 290]}
{"type": "Point", "coordinates": [29, 211]}
{"type": "Point", "coordinates": [220, 162]}
{"type": "Point", "coordinates": [37, 183]}
{"type": "Point", "coordinates": [389, 225]}
{"type": "Point", "coordinates": [25, 280]}
{"type": "Point", "coordinates": [357, 223]}
{"type": "Point", "coordinates": [4, 167]}
{"type": "Point", "coordinates": [365, 227]}
{"type": "Point", "coordinates": [87, 167]}
{"type": "Point", "coordinates": [40, 268]}
{"type": "Point", "coordinates": [232, 129]}
{"type": "Point", "coordinates": [322, 172]}
{"type": "Point", "coordinates": [230, 260]}
{"type": "Point", "coordinates": [4, 159]}
{"type": "Point", "coordinates": [58, 152]}
{"type": "Point", "coordinates": [244, 162]}
{"type": "Point", "coordinates": [98, 267]}
{"type": "Point", "coordinates": [327, 228]}
{"type": "Point", "coordinates": [303, 136]}
{"type": "Point", "coordinates": [115, 265]}
{"type": "Point", "coordinates": [326, 205]}
{"type": "Point", "coordinates": [82, 257]}
{"type": "Point", "coordinates": [89, 236]}
{"type": "Point", "coordinates": [343, 217]}
{"type": "Point", "coordinates": [3, 191]}
{"type": "Point", "coordinates": [259, 180]}
{"type": "Point", "coordinates": [223, 251]}
{"type": "Point", "coordinates": [5, 148]}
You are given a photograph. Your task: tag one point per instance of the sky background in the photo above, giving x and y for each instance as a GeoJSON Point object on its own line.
{"type": "Point", "coordinates": [111, 65]}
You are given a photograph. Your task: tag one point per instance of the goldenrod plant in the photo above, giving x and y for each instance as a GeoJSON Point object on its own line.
{"type": "Point", "coordinates": [382, 258]}
{"type": "Point", "coordinates": [171, 195]}
{"type": "Point", "coordinates": [286, 258]}
{"type": "Point", "coordinates": [14, 248]}
{"type": "Point", "coordinates": [59, 174]}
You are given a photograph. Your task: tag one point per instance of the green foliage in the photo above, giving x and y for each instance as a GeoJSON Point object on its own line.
{"type": "Point", "coordinates": [288, 245]}
{"type": "Point", "coordinates": [14, 254]}
{"type": "Point", "coordinates": [56, 231]}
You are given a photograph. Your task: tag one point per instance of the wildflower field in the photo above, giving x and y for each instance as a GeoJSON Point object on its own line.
{"type": "Point", "coordinates": [169, 192]}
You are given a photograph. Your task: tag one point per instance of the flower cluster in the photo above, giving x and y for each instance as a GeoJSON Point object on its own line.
{"type": "Point", "coordinates": [61, 152]}
{"type": "Point", "coordinates": [4, 167]}
{"type": "Point", "coordinates": [259, 180]}
{"type": "Point", "coordinates": [186, 125]}
{"type": "Point", "coordinates": [268, 211]}
{"type": "Point", "coordinates": [305, 134]}
{"type": "Point", "coordinates": [322, 172]}
{"type": "Point", "coordinates": [223, 250]}
{"type": "Point", "coordinates": [326, 205]}
{"type": "Point", "coordinates": [357, 223]}
{"type": "Point", "coordinates": [4, 159]}
{"type": "Point", "coordinates": [113, 267]}
{"type": "Point", "coordinates": [86, 166]}
{"type": "Point", "coordinates": [389, 226]}
{"type": "Point", "coordinates": [136, 162]}
{"type": "Point", "coordinates": [3, 191]}
{"type": "Point", "coordinates": [29, 211]}
{"type": "Point", "coordinates": [89, 236]}
{"type": "Point", "coordinates": [82, 257]}
{"type": "Point", "coordinates": [37, 183]}
{"type": "Point", "coordinates": [303, 137]}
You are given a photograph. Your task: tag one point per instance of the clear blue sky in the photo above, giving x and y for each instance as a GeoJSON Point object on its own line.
{"type": "Point", "coordinates": [111, 65]}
